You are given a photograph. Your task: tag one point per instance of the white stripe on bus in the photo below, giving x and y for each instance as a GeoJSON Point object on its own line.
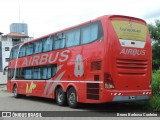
{"type": "Point", "coordinates": [60, 81]}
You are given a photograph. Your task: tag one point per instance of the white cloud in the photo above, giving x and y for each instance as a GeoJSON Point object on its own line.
{"type": "Point", "coordinates": [46, 16]}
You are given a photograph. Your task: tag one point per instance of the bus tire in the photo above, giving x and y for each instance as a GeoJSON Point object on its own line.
{"type": "Point", "coordinates": [60, 96]}
{"type": "Point", "coordinates": [15, 92]}
{"type": "Point", "coordinates": [72, 98]}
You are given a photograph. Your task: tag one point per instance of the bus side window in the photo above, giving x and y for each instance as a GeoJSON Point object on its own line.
{"type": "Point", "coordinates": [10, 73]}
{"type": "Point", "coordinates": [47, 44]}
{"type": "Point", "coordinates": [28, 73]}
{"type": "Point", "coordinates": [59, 41]}
{"type": "Point", "coordinates": [89, 33]}
{"type": "Point", "coordinates": [19, 73]}
{"type": "Point", "coordinates": [54, 70]}
{"type": "Point", "coordinates": [73, 38]}
{"type": "Point", "coordinates": [14, 52]}
{"type": "Point", "coordinates": [22, 52]}
{"type": "Point", "coordinates": [37, 47]}
{"type": "Point", "coordinates": [11, 54]}
{"type": "Point", "coordinates": [94, 32]}
{"type": "Point", "coordinates": [29, 49]}
{"type": "Point", "coordinates": [37, 73]}
{"type": "Point", "coordinates": [46, 72]}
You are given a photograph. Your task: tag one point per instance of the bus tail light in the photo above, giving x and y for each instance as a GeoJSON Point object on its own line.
{"type": "Point", "coordinates": [108, 82]}
{"type": "Point", "coordinates": [150, 85]}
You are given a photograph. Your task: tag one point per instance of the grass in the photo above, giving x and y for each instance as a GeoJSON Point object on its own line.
{"type": "Point", "coordinates": [3, 91]}
{"type": "Point", "coordinates": [154, 103]}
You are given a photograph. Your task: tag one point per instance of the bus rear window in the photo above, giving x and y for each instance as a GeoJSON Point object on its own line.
{"type": "Point", "coordinates": [14, 53]}
{"type": "Point", "coordinates": [129, 30]}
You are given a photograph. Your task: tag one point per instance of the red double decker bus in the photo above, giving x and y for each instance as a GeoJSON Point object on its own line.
{"type": "Point", "coordinates": [107, 59]}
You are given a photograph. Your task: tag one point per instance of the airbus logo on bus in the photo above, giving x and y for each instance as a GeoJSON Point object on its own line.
{"type": "Point", "coordinates": [132, 52]}
{"type": "Point", "coordinates": [46, 58]}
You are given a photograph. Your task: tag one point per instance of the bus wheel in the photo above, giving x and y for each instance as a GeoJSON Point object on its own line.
{"type": "Point", "coordinates": [60, 96]}
{"type": "Point", "coordinates": [15, 91]}
{"type": "Point", "coordinates": [72, 98]}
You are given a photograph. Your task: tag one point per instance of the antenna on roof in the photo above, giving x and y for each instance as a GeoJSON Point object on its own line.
{"type": "Point", "coordinates": [19, 12]}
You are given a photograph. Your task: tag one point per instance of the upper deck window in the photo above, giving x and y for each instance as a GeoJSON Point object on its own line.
{"type": "Point", "coordinates": [14, 52]}
{"type": "Point", "coordinates": [73, 38]}
{"type": "Point", "coordinates": [89, 33]}
{"type": "Point", "coordinates": [47, 44]}
{"type": "Point", "coordinates": [77, 36]}
{"type": "Point", "coordinates": [37, 47]}
{"type": "Point", "coordinates": [22, 51]}
{"type": "Point", "coordinates": [29, 49]}
{"type": "Point", "coordinates": [59, 41]}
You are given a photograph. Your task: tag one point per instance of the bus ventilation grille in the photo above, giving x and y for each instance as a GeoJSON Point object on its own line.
{"type": "Point", "coordinates": [131, 67]}
{"type": "Point", "coordinates": [93, 91]}
{"type": "Point", "coordinates": [96, 65]}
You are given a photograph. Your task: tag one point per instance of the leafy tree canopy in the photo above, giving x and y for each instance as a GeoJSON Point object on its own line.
{"type": "Point", "coordinates": [155, 34]}
{"type": "Point", "coordinates": [155, 30]}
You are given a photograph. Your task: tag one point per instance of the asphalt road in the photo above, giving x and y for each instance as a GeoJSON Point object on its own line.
{"type": "Point", "coordinates": [9, 103]}
{"type": "Point", "coordinates": [29, 103]}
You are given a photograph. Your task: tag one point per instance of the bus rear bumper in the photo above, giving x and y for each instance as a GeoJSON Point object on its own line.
{"type": "Point", "coordinates": [121, 96]}
{"type": "Point", "coordinates": [130, 98]}
{"type": "Point", "coordinates": [126, 96]}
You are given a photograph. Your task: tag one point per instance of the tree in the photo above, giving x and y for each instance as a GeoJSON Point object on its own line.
{"type": "Point", "coordinates": [155, 30]}
{"type": "Point", "coordinates": [156, 56]}
{"type": "Point", "coordinates": [155, 34]}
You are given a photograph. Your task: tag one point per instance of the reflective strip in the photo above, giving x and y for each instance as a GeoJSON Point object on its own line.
{"type": "Point", "coordinates": [147, 93]}
{"type": "Point", "coordinates": [115, 94]}
{"type": "Point", "coordinates": [60, 81]}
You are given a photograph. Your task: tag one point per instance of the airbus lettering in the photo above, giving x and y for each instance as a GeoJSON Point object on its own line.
{"type": "Point", "coordinates": [132, 52]}
{"type": "Point", "coordinates": [46, 58]}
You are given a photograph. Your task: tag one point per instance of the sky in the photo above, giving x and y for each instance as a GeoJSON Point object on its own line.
{"type": "Point", "coordinates": [47, 16]}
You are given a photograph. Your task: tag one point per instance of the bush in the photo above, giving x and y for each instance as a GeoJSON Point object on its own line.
{"type": "Point", "coordinates": [156, 83]}
{"type": "Point", "coordinates": [156, 56]}
{"type": "Point", "coordinates": [154, 103]}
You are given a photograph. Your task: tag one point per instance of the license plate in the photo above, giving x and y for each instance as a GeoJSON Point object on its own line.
{"type": "Point", "coordinates": [132, 97]}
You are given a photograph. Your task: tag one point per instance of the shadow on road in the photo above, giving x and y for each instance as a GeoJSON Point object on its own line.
{"type": "Point", "coordinates": [107, 107]}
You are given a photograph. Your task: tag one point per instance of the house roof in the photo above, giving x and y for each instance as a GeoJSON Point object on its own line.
{"type": "Point", "coordinates": [14, 34]}
{"type": "Point", "coordinates": [1, 33]}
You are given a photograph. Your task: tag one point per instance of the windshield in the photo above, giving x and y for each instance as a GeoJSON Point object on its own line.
{"type": "Point", "coordinates": [129, 30]}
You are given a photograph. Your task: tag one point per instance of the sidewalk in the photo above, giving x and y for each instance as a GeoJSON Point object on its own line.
{"type": "Point", "coordinates": [3, 87]}
{"type": "Point", "coordinates": [3, 78]}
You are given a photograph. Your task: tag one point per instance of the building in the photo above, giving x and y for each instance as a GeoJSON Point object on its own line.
{"type": "Point", "coordinates": [21, 28]}
{"type": "Point", "coordinates": [6, 43]}
{"type": "Point", "coordinates": [0, 52]}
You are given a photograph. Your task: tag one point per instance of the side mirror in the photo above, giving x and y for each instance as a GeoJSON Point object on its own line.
{"type": "Point", "coordinates": [4, 72]}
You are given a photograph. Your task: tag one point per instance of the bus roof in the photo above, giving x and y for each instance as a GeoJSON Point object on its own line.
{"type": "Point", "coordinates": [72, 27]}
